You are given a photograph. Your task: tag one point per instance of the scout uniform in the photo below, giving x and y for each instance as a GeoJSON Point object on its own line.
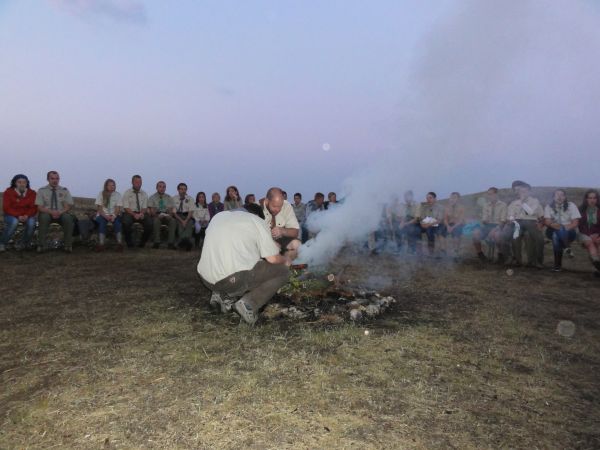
{"type": "Point", "coordinates": [428, 212]}
{"type": "Point", "coordinates": [183, 208]}
{"type": "Point", "coordinates": [408, 212]}
{"type": "Point", "coordinates": [285, 219]}
{"type": "Point", "coordinates": [58, 199]}
{"type": "Point", "coordinates": [527, 214]}
{"type": "Point", "coordinates": [109, 208]}
{"type": "Point", "coordinates": [162, 210]}
{"type": "Point", "coordinates": [137, 202]}
{"type": "Point", "coordinates": [561, 238]}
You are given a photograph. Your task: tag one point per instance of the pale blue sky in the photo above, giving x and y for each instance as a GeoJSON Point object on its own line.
{"type": "Point", "coordinates": [221, 92]}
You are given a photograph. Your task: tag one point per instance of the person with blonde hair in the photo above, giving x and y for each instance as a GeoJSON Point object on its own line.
{"type": "Point", "coordinates": [109, 204]}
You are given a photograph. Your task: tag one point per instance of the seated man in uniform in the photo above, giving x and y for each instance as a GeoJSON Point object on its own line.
{"type": "Point", "coordinates": [54, 203]}
{"type": "Point", "coordinates": [18, 203]}
{"type": "Point", "coordinates": [184, 205]}
{"type": "Point", "coordinates": [280, 218]}
{"type": "Point", "coordinates": [431, 221]}
{"type": "Point", "coordinates": [161, 208]}
{"type": "Point", "coordinates": [493, 219]}
{"type": "Point", "coordinates": [526, 215]}
{"type": "Point", "coordinates": [135, 207]}
{"type": "Point", "coordinates": [240, 258]}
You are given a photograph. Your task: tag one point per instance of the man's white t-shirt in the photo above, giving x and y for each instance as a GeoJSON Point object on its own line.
{"type": "Point", "coordinates": [234, 241]}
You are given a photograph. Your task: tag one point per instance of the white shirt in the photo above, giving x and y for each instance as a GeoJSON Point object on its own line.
{"type": "Point", "coordinates": [285, 219]}
{"type": "Point", "coordinates": [561, 216]}
{"type": "Point", "coordinates": [114, 201]}
{"type": "Point", "coordinates": [235, 241]}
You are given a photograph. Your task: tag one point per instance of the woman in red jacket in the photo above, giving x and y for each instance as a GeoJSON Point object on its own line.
{"type": "Point", "coordinates": [18, 203]}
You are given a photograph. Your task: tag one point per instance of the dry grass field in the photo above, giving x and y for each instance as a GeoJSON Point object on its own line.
{"type": "Point", "coordinates": [122, 351]}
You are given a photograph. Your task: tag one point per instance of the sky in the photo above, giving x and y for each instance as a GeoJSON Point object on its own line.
{"type": "Point", "coordinates": [444, 95]}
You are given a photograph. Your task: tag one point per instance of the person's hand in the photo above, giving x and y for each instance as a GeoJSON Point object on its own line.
{"type": "Point", "coordinates": [22, 218]}
{"type": "Point", "coordinates": [55, 214]}
{"type": "Point", "coordinates": [276, 232]}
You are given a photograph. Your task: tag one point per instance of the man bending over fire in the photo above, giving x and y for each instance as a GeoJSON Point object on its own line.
{"type": "Point", "coordinates": [281, 219]}
{"type": "Point", "coordinates": [241, 259]}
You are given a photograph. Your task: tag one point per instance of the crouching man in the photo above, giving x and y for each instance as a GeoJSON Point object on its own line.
{"type": "Point", "coordinates": [240, 259]}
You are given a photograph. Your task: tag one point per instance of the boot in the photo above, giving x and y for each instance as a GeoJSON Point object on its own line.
{"type": "Point", "coordinates": [557, 262]}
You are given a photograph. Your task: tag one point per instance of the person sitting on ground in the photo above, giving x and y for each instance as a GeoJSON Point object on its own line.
{"type": "Point", "coordinates": [454, 221]}
{"type": "Point", "coordinates": [300, 212]}
{"type": "Point", "coordinates": [184, 205]}
{"type": "Point", "coordinates": [280, 218]}
{"type": "Point", "coordinates": [215, 206]}
{"type": "Point", "coordinates": [135, 210]}
{"type": "Point", "coordinates": [250, 199]}
{"type": "Point", "coordinates": [589, 227]}
{"type": "Point", "coordinates": [201, 218]}
{"type": "Point", "coordinates": [232, 199]}
{"type": "Point", "coordinates": [161, 206]}
{"type": "Point", "coordinates": [108, 204]}
{"type": "Point", "coordinates": [313, 206]}
{"type": "Point", "coordinates": [54, 204]}
{"type": "Point", "coordinates": [431, 221]}
{"type": "Point", "coordinates": [562, 219]}
{"type": "Point", "coordinates": [493, 218]}
{"type": "Point", "coordinates": [18, 205]}
{"type": "Point", "coordinates": [526, 211]}
{"type": "Point", "coordinates": [240, 259]}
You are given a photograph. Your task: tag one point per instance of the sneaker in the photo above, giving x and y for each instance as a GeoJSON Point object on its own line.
{"type": "Point", "coordinates": [567, 251]}
{"type": "Point", "coordinates": [68, 249]}
{"type": "Point", "coordinates": [481, 257]}
{"type": "Point", "coordinates": [246, 312]}
{"type": "Point", "coordinates": [556, 269]}
{"type": "Point", "coordinates": [216, 301]}
{"type": "Point", "coordinates": [156, 245]}
{"type": "Point", "coordinates": [40, 249]}
{"type": "Point", "coordinates": [2, 248]}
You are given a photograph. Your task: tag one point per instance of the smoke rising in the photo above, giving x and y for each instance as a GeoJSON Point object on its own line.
{"type": "Point", "coordinates": [497, 91]}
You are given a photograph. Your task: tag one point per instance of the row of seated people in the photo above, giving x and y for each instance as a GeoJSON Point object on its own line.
{"type": "Point", "coordinates": [507, 228]}
{"type": "Point", "coordinates": [184, 218]}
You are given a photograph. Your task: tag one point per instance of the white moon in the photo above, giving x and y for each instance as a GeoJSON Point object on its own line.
{"type": "Point", "coordinates": [326, 146]}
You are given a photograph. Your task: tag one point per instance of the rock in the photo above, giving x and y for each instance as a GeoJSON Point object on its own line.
{"type": "Point", "coordinates": [294, 313]}
{"type": "Point", "coordinates": [355, 315]}
{"type": "Point", "coordinates": [372, 310]}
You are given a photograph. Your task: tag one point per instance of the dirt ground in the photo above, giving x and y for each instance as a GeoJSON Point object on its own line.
{"type": "Point", "coordinates": [122, 351]}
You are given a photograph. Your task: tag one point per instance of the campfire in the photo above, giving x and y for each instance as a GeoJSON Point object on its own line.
{"type": "Point", "coordinates": [325, 297]}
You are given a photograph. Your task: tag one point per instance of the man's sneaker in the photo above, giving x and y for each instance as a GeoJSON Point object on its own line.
{"type": "Point", "coordinates": [68, 249]}
{"type": "Point", "coordinates": [481, 257]}
{"type": "Point", "coordinates": [40, 249]}
{"type": "Point", "coordinates": [567, 251]}
{"type": "Point", "coordinates": [216, 301]}
{"type": "Point", "coordinates": [556, 269]}
{"type": "Point", "coordinates": [2, 248]}
{"type": "Point", "coordinates": [246, 312]}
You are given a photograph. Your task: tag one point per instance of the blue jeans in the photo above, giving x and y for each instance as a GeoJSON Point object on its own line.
{"type": "Point", "coordinates": [560, 238]}
{"type": "Point", "coordinates": [10, 226]}
{"type": "Point", "coordinates": [102, 222]}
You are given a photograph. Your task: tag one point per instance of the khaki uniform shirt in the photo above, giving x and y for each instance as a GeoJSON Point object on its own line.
{"type": "Point", "coordinates": [561, 216]}
{"type": "Point", "coordinates": [435, 211]}
{"type": "Point", "coordinates": [63, 197]}
{"type": "Point", "coordinates": [130, 201]}
{"type": "Point", "coordinates": [494, 213]}
{"type": "Point", "coordinates": [114, 201]}
{"type": "Point", "coordinates": [531, 211]}
{"type": "Point", "coordinates": [285, 219]}
{"type": "Point", "coordinates": [167, 203]}
{"type": "Point", "coordinates": [183, 206]}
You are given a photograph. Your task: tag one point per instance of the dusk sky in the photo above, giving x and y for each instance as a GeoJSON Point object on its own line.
{"type": "Point", "coordinates": [443, 95]}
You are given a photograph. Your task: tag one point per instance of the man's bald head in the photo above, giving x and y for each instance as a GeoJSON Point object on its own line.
{"type": "Point", "coordinates": [274, 200]}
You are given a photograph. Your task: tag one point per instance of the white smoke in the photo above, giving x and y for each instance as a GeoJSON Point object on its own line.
{"type": "Point", "coordinates": [498, 91]}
